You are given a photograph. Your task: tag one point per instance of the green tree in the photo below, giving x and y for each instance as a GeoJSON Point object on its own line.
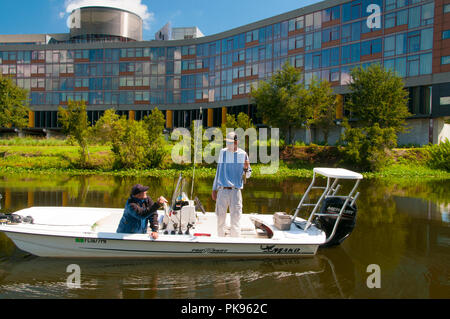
{"type": "Point", "coordinates": [156, 123]}
{"type": "Point", "coordinates": [244, 121]}
{"type": "Point", "coordinates": [75, 123]}
{"type": "Point", "coordinates": [13, 104]}
{"type": "Point", "coordinates": [156, 151]}
{"type": "Point", "coordinates": [378, 101]}
{"type": "Point", "coordinates": [323, 102]}
{"type": "Point", "coordinates": [282, 100]}
{"type": "Point", "coordinates": [107, 129]}
{"type": "Point", "coordinates": [378, 96]}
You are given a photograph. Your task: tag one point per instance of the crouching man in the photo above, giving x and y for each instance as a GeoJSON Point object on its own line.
{"type": "Point", "coordinates": [139, 211]}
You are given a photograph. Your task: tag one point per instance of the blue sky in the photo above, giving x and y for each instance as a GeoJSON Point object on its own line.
{"type": "Point", "coordinates": [211, 16]}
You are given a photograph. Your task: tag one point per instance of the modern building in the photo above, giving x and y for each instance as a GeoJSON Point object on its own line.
{"type": "Point", "coordinates": [104, 61]}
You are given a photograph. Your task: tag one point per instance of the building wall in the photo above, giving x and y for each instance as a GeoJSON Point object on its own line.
{"type": "Point", "coordinates": [326, 39]}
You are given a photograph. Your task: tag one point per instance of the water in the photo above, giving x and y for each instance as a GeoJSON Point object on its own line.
{"type": "Point", "coordinates": [403, 226]}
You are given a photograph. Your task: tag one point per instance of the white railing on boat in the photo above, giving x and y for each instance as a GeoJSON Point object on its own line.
{"type": "Point", "coordinates": [333, 175]}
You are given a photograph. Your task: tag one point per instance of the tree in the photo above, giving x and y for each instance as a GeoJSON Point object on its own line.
{"type": "Point", "coordinates": [282, 100]}
{"type": "Point", "coordinates": [378, 96]}
{"type": "Point", "coordinates": [13, 104]}
{"type": "Point", "coordinates": [75, 123]}
{"type": "Point", "coordinates": [155, 123]}
{"type": "Point", "coordinates": [378, 102]}
{"type": "Point", "coordinates": [106, 130]}
{"type": "Point", "coordinates": [135, 144]}
{"type": "Point", "coordinates": [323, 102]}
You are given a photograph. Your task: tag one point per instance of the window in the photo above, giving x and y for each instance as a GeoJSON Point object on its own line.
{"type": "Point", "coordinates": [413, 65]}
{"type": "Point", "coordinates": [395, 4]}
{"type": "Point", "coordinates": [325, 58]}
{"type": "Point", "coordinates": [309, 22]}
{"type": "Point", "coordinates": [297, 42]}
{"type": "Point", "coordinates": [426, 39]}
{"type": "Point", "coordinates": [426, 62]}
{"type": "Point", "coordinates": [330, 34]}
{"type": "Point", "coordinates": [389, 20]}
{"type": "Point", "coordinates": [351, 53]}
{"type": "Point", "coordinates": [298, 61]}
{"type": "Point", "coordinates": [428, 13]}
{"type": "Point", "coordinates": [250, 37]}
{"type": "Point", "coordinates": [351, 32]}
{"type": "Point", "coordinates": [445, 59]}
{"type": "Point", "coordinates": [414, 41]}
{"type": "Point", "coordinates": [414, 17]}
{"type": "Point", "coordinates": [296, 24]}
{"type": "Point", "coordinates": [331, 14]}
{"type": "Point", "coordinates": [446, 34]}
{"type": "Point", "coordinates": [371, 47]}
{"type": "Point", "coordinates": [447, 8]}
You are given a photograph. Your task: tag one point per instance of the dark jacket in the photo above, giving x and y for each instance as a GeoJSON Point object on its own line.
{"type": "Point", "coordinates": [137, 214]}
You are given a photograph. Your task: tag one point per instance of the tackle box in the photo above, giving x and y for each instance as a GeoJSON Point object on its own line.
{"type": "Point", "coordinates": [282, 221]}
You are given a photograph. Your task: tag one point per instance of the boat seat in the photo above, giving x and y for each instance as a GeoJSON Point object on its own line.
{"type": "Point", "coordinates": [108, 224]}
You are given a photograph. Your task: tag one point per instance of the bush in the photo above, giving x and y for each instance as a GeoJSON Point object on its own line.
{"type": "Point", "coordinates": [440, 156]}
{"type": "Point", "coordinates": [368, 148]}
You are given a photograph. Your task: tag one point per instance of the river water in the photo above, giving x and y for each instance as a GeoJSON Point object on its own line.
{"type": "Point", "coordinates": [403, 226]}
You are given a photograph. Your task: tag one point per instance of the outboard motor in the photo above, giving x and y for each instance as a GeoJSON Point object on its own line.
{"type": "Point", "coordinates": [329, 214]}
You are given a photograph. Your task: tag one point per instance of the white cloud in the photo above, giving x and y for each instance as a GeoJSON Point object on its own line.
{"type": "Point", "coordinates": [134, 6]}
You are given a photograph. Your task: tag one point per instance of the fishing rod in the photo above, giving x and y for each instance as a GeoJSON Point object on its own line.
{"type": "Point", "coordinates": [197, 124]}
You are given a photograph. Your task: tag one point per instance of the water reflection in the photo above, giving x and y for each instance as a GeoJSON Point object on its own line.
{"type": "Point", "coordinates": [402, 226]}
{"type": "Point", "coordinates": [25, 276]}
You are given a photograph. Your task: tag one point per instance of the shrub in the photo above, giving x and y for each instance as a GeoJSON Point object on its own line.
{"type": "Point", "coordinates": [440, 155]}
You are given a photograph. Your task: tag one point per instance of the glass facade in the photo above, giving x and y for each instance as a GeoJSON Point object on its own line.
{"type": "Point", "coordinates": [327, 44]}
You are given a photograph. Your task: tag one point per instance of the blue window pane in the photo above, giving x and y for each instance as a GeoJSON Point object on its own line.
{"type": "Point", "coordinates": [346, 12]}
{"type": "Point", "coordinates": [325, 58]}
{"type": "Point", "coordinates": [426, 39]}
{"type": "Point", "coordinates": [366, 48]}
{"type": "Point", "coordinates": [401, 44]}
{"type": "Point", "coordinates": [400, 66]}
{"type": "Point", "coordinates": [413, 41]}
{"type": "Point", "coordinates": [308, 61]}
{"type": "Point", "coordinates": [335, 56]}
{"type": "Point", "coordinates": [413, 65]}
{"type": "Point", "coordinates": [356, 10]}
{"type": "Point", "coordinates": [346, 33]}
{"type": "Point", "coordinates": [389, 65]}
{"type": "Point", "coordinates": [414, 17]}
{"type": "Point", "coordinates": [445, 59]}
{"type": "Point", "coordinates": [376, 46]}
{"type": "Point", "coordinates": [356, 31]}
{"type": "Point", "coordinates": [426, 63]}
{"type": "Point", "coordinates": [446, 35]}
{"type": "Point", "coordinates": [346, 54]}
{"type": "Point", "coordinates": [355, 52]}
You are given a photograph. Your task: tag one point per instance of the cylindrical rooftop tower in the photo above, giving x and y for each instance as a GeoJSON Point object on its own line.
{"type": "Point", "coordinates": [97, 22]}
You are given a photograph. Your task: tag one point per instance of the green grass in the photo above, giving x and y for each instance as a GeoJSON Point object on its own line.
{"type": "Point", "coordinates": [38, 158]}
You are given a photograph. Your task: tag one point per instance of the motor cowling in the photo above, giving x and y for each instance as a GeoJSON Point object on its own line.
{"type": "Point", "coordinates": [330, 210]}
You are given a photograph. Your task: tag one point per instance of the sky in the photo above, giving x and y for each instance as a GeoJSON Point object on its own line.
{"type": "Point", "coordinates": [211, 16]}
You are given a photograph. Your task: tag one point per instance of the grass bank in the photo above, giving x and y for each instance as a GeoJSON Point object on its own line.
{"type": "Point", "coordinates": [59, 157]}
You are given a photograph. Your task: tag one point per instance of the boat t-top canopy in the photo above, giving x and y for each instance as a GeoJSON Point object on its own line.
{"type": "Point", "coordinates": [339, 173]}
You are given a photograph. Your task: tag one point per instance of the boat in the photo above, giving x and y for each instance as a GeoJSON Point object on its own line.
{"type": "Point", "coordinates": [187, 231]}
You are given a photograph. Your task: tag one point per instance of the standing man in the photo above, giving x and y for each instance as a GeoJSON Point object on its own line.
{"type": "Point", "coordinates": [233, 167]}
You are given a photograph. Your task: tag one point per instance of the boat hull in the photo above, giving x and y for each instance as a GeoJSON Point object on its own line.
{"type": "Point", "coordinates": [103, 247]}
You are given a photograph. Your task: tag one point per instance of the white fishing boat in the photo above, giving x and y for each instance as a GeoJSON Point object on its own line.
{"type": "Point", "coordinates": [186, 231]}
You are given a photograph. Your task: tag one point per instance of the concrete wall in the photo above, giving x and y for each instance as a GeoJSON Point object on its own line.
{"type": "Point", "coordinates": [418, 133]}
{"type": "Point", "coordinates": [442, 131]}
